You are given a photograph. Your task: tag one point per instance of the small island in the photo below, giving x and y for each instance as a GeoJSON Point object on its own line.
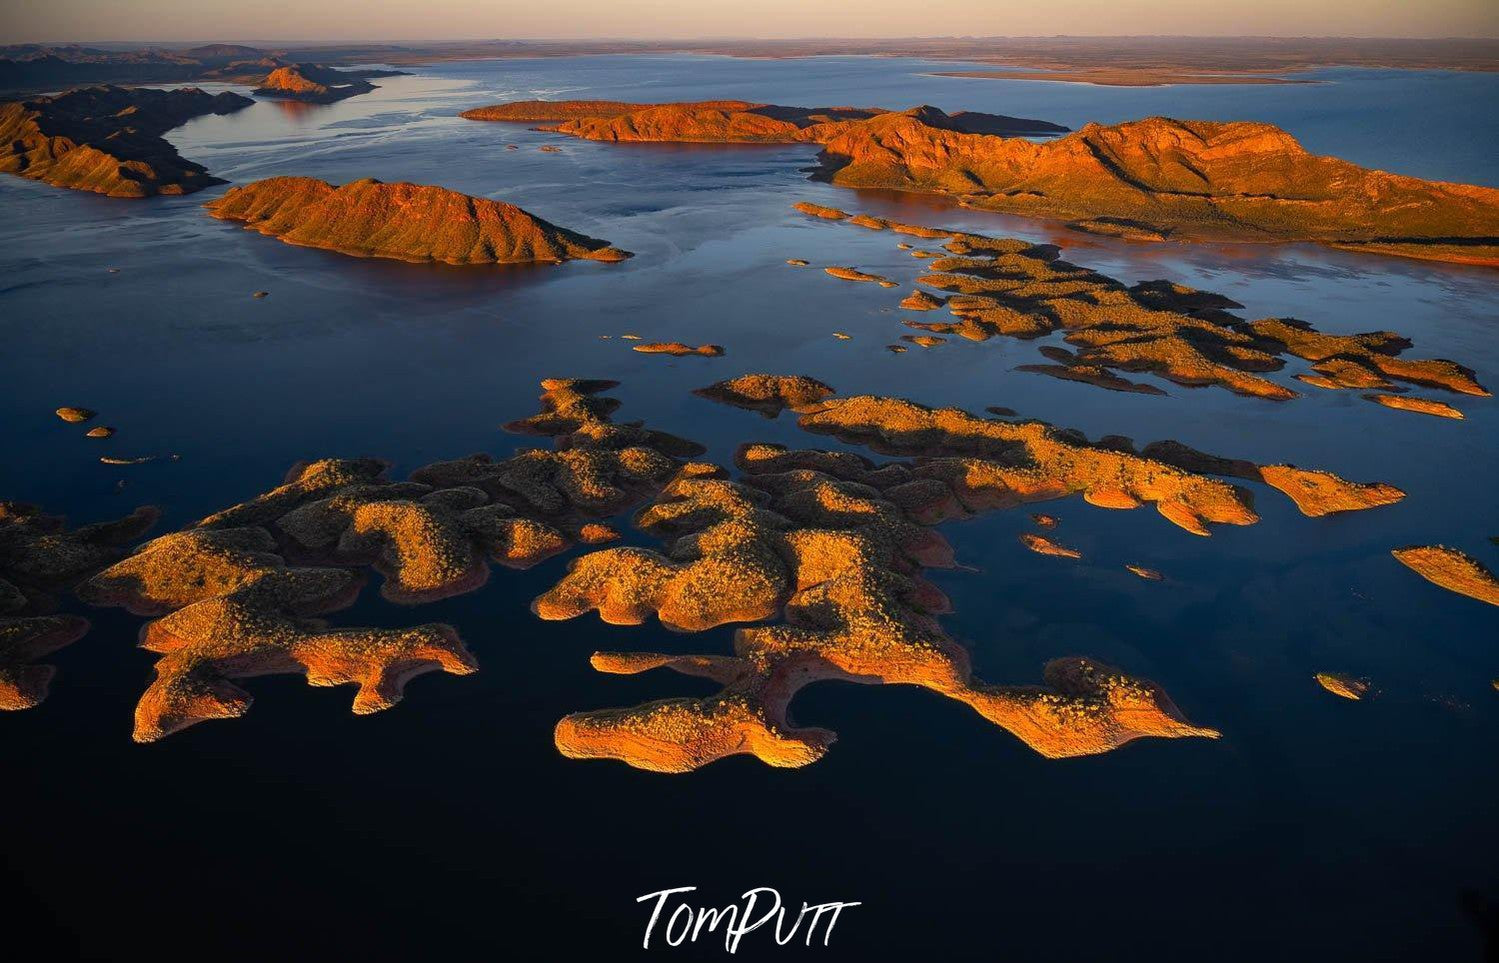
{"type": "Point", "coordinates": [108, 140]}
{"type": "Point", "coordinates": [312, 83]}
{"type": "Point", "coordinates": [405, 222]}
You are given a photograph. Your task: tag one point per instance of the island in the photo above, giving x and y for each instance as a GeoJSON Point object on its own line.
{"type": "Point", "coordinates": [405, 222]}
{"type": "Point", "coordinates": [1008, 287]}
{"type": "Point", "coordinates": [242, 593]}
{"type": "Point", "coordinates": [1153, 179]}
{"type": "Point", "coordinates": [734, 121]}
{"type": "Point", "coordinates": [108, 140]}
{"type": "Point", "coordinates": [1452, 569]}
{"type": "Point", "coordinates": [312, 83]}
{"type": "Point", "coordinates": [820, 543]}
{"type": "Point", "coordinates": [829, 549]}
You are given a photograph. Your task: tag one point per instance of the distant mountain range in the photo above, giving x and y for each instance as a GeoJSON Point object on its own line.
{"type": "Point", "coordinates": [25, 67]}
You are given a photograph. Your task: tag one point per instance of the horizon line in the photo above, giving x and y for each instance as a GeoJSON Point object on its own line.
{"type": "Point", "coordinates": [736, 39]}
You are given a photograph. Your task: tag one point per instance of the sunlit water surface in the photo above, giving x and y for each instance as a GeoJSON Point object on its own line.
{"type": "Point", "coordinates": [1316, 826]}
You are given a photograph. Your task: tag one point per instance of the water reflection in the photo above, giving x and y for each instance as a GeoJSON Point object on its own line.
{"type": "Point", "coordinates": [1384, 809]}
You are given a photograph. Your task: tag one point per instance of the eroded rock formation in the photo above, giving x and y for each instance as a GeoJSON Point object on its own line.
{"type": "Point", "coordinates": [108, 140]}
{"type": "Point", "coordinates": [829, 548]}
{"type": "Point", "coordinates": [237, 594]}
{"type": "Point", "coordinates": [406, 222]}
{"type": "Point", "coordinates": [826, 550]}
{"type": "Point", "coordinates": [1008, 287]}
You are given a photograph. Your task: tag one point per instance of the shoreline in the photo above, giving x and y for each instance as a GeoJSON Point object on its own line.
{"type": "Point", "coordinates": [1124, 78]}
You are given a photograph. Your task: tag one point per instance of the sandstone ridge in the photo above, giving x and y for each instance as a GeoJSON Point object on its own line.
{"type": "Point", "coordinates": [108, 140]}
{"type": "Point", "coordinates": [406, 222]}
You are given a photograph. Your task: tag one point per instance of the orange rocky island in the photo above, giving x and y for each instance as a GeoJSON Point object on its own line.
{"type": "Point", "coordinates": [829, 548]}
{"type": "Point", "coordinates": [405, 222]}
{"type": "Point", "coordinates": [1151, 179]}
{"type": "Point", "coordinates": [1013, 288]}
{"type": "Point", "coordinates": [241, 593]}
{"type": "Point", "coordinates": [108, 140]}
{"type": "Point", "coordinates": [312, 83]}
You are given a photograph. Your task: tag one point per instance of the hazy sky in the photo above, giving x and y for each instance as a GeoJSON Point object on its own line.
{"type": "Point", "coordinates": [270, 20]}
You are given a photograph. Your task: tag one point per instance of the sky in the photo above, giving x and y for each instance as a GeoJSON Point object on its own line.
{"type": "Point", "coordinates": [28, 21]}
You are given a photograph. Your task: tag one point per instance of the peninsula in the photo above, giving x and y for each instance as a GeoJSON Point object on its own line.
{"type": "Point", "coordinates": [108, 140]}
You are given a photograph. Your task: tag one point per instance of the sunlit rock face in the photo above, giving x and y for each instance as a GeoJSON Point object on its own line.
{"type": "Point", "coordinates": [241, 593]}
{"type": "Point", "coordinates": [108, 140]}
{"type": "Point", "coordinates": [1152, 179]}
{"type": "Point", "coordinates": [406, 222]}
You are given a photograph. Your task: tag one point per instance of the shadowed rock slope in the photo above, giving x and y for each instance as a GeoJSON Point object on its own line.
{"type": "Point", "coordinates": [405, 222]}
{"type": "Point", "coordinates": [108, 140]}
{"type": "Point", "coordinates": [40, 557]}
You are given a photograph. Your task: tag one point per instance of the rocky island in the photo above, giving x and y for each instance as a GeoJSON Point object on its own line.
{"type": "Point", "coordinates": [405, 222]}
{"type": "Point", "coordinates": [830, 548]}
{"type": "Point", "coordinates": [734, 121]}
{"type": "Point", "coordinates": [312, 83]}
{"type": "Point", "coordinates": [239, 593]}
{"type": "Point", "coordinates": [1152, 179]}
{"type": "Point", "coordinates": [108, 140]}
{"type": "Point", "coordinates": [1008, 287]}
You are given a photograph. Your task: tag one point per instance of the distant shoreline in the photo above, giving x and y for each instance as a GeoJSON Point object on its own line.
{"type": "Point", "coordinates": [1121, 78]}
{"type": "Point", "coordinates": [1099, 61]}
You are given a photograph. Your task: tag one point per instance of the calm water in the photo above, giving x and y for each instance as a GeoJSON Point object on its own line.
{"type": "Point", "coordinates": [450, 825]}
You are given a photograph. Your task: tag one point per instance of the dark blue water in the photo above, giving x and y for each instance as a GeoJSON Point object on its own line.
{"type": "Point", "coordinates": [449, 825]}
